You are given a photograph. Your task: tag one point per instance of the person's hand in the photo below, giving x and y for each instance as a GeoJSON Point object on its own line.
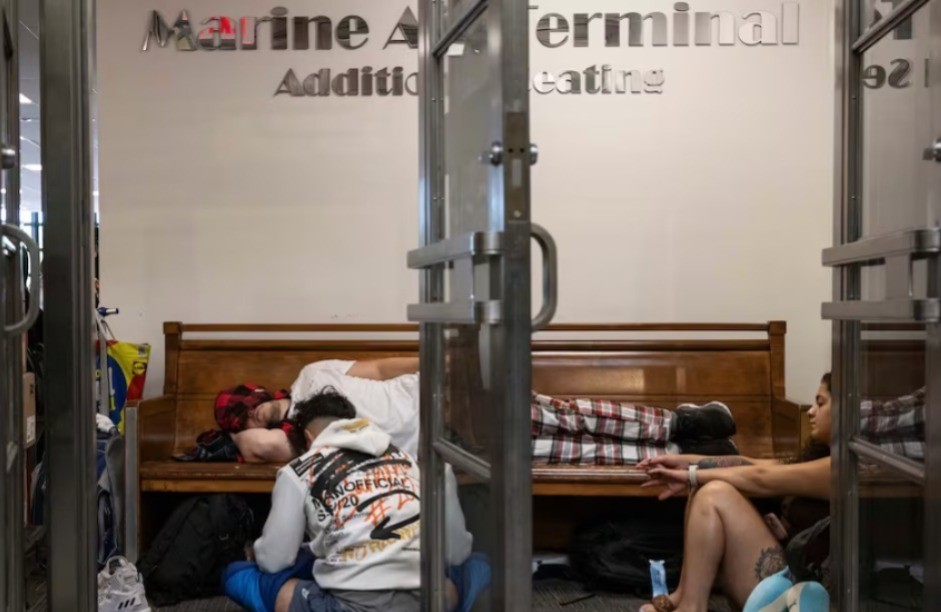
{"type": "Point", "coordinates": [776, 526]}
{"type": "Point", "coordinates": [673, 481]}
{"type": "Point", "coordinates": [673, 462]}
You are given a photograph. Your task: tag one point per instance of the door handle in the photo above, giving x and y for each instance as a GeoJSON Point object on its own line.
{"type": "Point", "coordinates": [933, 153]}
{"type": "Point", "coordinates": [550, 276]}
{"type": "Point", "coordinates": [7, 157]}
{"type": "Point", "coordinates": [32, 313]}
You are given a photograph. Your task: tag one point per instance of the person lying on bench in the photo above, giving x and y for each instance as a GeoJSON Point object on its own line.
{"type": "Point", "coordinates": [386, 391]}
{"type": "Point", "coordinates": [356, 495]}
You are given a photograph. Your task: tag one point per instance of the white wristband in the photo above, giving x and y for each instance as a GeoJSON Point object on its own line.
{"type": "Point", "coordinates": [693, 478]}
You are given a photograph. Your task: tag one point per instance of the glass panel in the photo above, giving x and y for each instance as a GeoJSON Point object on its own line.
{"type": "Point", "coordinates": [451, 11]}
{"type": "Point", "coordinates": [468, 83]}
{"type": "Point", "coordinates": [874, 282]}
{"type": "Point", "coordinates": [892, 382]}
{"type": "Point", "coordinates": [891, 527]}
{"type": "Point", "coordinates": [895, 110]}
{"type": "Point", "coordinates": [467, 416]}
{"type": "Point", "coordinates": [467, 423]}
{"type": "Point", "coordinates": [874, 11]}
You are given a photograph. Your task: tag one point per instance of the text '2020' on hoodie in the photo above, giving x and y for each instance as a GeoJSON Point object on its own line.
{"type": "Point", "coordinates": [357, 497]}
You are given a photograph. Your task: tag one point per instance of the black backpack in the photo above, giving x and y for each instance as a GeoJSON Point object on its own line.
{"type": "Point", "coordinates": [615, 555]}
{"type": "Point", "coordinates": [202, 536]}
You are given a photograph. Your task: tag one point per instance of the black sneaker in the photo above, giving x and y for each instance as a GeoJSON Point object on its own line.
{"type": "Point", "coordinates": [712, 421]}
{"type": "Point", "coordinates": [710, 448]}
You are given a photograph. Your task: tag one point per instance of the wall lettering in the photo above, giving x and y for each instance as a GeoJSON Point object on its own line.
{"type": "Point", "coordinates": [897, 74]}
{"type": "Point", "coordinates": [681, 27]}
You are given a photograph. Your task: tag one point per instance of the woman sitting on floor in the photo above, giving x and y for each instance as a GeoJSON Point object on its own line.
{"type": "Point", "coordinates": [726, 539]}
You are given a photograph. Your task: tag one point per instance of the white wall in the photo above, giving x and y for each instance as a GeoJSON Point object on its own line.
{"type": "Point", "coordinates": [222, 203]}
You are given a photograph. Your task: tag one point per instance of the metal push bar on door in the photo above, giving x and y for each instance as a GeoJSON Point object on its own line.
{"type": "Point", "coordinates": [914, 243]}
{"type": "Point", "coordinates": [483, 245]}
{"type": "Point", "coordinates": [897, 251]}
{"type": "Point", "coordinates": [32, 313]}
{"type": "Point", "coordinates": [920, 311]}
{"type": "Point", "coordinates": [473, 245]}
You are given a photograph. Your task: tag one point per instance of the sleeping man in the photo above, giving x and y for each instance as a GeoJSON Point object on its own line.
{"type": "Point", "coordinates": [386, 393]}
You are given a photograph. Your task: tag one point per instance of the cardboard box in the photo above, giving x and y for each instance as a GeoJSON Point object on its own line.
{"type": "Point", "coordinates": [29, 407]}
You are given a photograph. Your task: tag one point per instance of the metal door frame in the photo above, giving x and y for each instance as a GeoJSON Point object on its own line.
{"type": "Point", "coordinates": [510, 474]}
{"type": "Point", "coordinates": [66, 44]}
{"type": "Point", "coordinates": [847, 313]}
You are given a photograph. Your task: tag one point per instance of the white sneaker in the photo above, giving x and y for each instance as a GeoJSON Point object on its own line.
{"type": "Point", "coordinates": [120, 588]}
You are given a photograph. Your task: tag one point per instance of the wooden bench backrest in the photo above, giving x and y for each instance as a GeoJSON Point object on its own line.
{"type": "Point", "coordinates": [201, 360]}
{"type": "Point", "coordinates": [892, 360]}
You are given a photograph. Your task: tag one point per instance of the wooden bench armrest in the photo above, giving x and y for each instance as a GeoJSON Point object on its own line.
{"type": "Point", "coordinates": [786, 426]}
{"type": "Point", "coordinates": [156, 428]}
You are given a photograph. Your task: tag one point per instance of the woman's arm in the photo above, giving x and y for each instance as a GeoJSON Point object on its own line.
{"type": "Point", "coordinates": [810, 479]}
{"type": "Point", "coordinates": [727, 461]}
{"type": "Point", "coordinates": [704, 462]}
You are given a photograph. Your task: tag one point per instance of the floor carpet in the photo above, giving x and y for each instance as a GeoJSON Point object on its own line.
{"type": "Point", "coordinates": [548, 595]}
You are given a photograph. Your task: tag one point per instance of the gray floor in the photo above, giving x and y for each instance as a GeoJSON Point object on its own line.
{"type": "Point", "coordinates": [548, 595]}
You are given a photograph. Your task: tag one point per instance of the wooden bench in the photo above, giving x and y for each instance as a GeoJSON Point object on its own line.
{"type": "Point", "coordinates": [686, 363]}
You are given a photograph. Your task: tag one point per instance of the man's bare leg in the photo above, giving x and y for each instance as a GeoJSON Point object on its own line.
{"type": "Point", "coordinates": [285, 595]}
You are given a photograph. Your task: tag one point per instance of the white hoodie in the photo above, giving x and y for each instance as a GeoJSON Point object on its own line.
{"type": "Point", "coordinates": [393, 405]}
{"type": "Point", "coordinates": [357, 497]}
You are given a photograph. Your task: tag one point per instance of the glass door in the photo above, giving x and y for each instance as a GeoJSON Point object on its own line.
{"type": "Point", "coordinates": [15, 320]}
{"type": "Point", "coordinates": [886, 539]}
{"type": "Point", "coordinates": [475, 293]}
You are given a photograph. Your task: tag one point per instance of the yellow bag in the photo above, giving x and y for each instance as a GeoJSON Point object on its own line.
{"type": "Point", "coordinates": [127, 369]}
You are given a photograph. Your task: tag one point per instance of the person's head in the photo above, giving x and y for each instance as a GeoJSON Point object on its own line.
{"type": "Point", "coordinates": [819, 413]}
{"type": "Point", "coordinates": [314, 414]}
{"type": "Point", "coordinates": [269, 414]}
{"type": "Point", "coordinates": [250, 407]}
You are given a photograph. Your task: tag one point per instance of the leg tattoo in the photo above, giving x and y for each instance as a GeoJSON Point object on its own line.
{"type": "Point", "coordinates": [770, 562]}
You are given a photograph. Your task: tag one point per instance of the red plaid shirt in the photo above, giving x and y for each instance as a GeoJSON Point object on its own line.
{"type": "Point", "coordinates": [896, 425]}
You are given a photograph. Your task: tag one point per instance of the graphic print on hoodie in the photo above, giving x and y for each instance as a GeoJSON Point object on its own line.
{"type": "Point", "coordinates": [357, 497]}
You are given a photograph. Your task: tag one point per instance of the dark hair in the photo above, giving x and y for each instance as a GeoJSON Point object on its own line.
{"type": "Point", "coordinates": [327, 403]}
{"type": "Point", "coordinates": [814, 449]}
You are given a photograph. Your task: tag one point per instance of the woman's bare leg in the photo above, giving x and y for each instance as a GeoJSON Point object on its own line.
{"type": "Point", "coordinates": [727, 539]}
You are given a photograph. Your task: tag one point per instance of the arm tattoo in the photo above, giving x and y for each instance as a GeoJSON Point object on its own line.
{"type": "Point", "coordinates": [770, 562]}
{"type": "Point", "coordinates": [722, 462]}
